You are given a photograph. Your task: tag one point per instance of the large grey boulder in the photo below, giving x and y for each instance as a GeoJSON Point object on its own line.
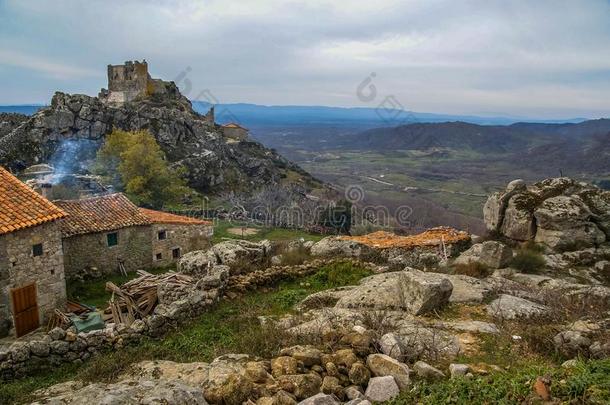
{"type": "Point", "coordinates": [382, 365]}
{"type": "Point", "coordinates": [413, 291]}
{"type": "Point", "coordinates": [565, 221]}
{"type": "Point", "coordinates": [560, 212]}
{"type": "Point", "coordinates": [143, 391]}
{"type": "Point", "coordinates": [336, 246]}
{"type": "Point", "coordinates": [381, 389]}
{"type": "Point", "coordinates": [492, 254]}
{"type": "Point", "coordinates": [468, 289]}
{"type": "Point", "coordinates": [229, 253]}
{"type": "Point", "coordinates": [320, 399]}
{"type": "Point", "coordinates": [510, 307]}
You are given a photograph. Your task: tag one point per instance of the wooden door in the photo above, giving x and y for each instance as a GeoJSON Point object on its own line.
{"type": "Point", "coordinates": [25, 309]}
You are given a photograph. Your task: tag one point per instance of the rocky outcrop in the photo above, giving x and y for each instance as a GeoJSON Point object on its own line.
{"type": "Point", "coordinates": [561, 213]}
{"type": "Point", "coordinates": [76, 125]}
{"type": "Point", "coordinates": [492, 254]}
{"type": "Point", "coordinates": [412, 290]}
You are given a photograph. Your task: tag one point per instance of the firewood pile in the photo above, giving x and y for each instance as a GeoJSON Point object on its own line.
{"type": "Point", "coordinates": [137, 298]}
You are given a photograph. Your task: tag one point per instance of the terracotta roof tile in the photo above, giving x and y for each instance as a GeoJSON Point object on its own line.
{"type": "Point", "coordinates": [233, 125]}
{"type": "Point", "coordinates": [21, 207]}
{"type": "Point", "coordinates": [100, 214]}
{"type": "Point", "coordinates": [159, 217]}
{"type": "Point", "coordinates": [431, 237]}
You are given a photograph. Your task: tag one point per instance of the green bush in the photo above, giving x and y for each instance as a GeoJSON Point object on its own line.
{"type": "Point", "coordinates": [472, 269]}
{"type": "Point", "coordinates": [528, 261]}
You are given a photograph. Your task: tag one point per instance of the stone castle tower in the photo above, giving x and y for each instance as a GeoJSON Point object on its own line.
{"type": "Point", "coordinates": [131, 81]}
{"type": "Point", "coordinates": [127, 82]}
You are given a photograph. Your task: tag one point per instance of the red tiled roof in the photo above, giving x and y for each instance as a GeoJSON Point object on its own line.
{"type": "Point", "coordinates": [100, 214]}
{"type": "Point", "coordinates": [233, 125]}
{"type": "Point", "coordinates": [159, 217]}
{"type": "Point", "coordinates": [21, 207]}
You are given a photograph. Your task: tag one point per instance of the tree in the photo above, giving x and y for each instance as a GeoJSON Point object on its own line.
{"type": "Point", "coordinates": [134, 163]}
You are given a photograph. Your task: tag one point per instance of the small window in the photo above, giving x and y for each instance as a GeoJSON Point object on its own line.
{"type": "Point", "coordinates": [159, 256]}
{"type": "Point", "coordinates": [162, 235]}
{"type": "Point", "coordinates": [176, 253]}
{"type": "Point", "coordinates": [37, 249]}
{"type": "Point", "coordinates": [113, 239]}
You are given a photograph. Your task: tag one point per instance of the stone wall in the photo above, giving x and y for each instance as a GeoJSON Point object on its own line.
{"type": "Point", "coordinates": [89, 255]}
{"type": "Point", "coordinates": [19, 267]}
{"type": "Point", "coordinates": [126, 82]}
{"type": "Point", "coordinates": [186, 238]}
{"type": "Point", "coordinates": [177, 307]}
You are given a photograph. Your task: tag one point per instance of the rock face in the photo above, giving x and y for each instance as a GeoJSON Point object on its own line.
{"type": "Point", "coordinates": [229, 254]}
{"type": "Point", "coordinates": [561, 213]}
{"type": "Point", "coordinates": [76, 125]}
{"type": "Point", "coordinates": [412, 290]}
{"type": "Point", "coordinates": [131, 392]}
{"type": "Point", "coordinates": [492, 254]}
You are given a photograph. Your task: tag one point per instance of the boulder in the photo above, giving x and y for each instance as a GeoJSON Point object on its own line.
{"type": "Point", "coordinates": [381, 389]}
{"type": "Point", "coordinates": [427, 372]}
{"type": "Point", "coordinates": [510, 307]}
{"type": "Point", "coordinates": [359, 374]}
{"type": "Point", "coordinates": [309, 355]}
{"type": "Point", "coordinates": [335, 246]}
{"type": "Point", "coordinates": [382, 365]}
{"type": "Point", "coordinates": [320, 399]}
{"type": "Point", "coordinates": [301, 385]}
{"type": "Point", "coordinates": [518, 223]}
{"type": "Point", "coordinates": [283, 365]}
{"type": "Point", "coordinates": [468, 289]}
{"type": "Point", "coordinates": [413, 291]}
{"type": "Point", "coordinates": [564, 222]}
{"type": "Point", "coordinates": [572, 343]}
{"type": "Point", "coordinates": [458, 370]}
{"type": "Point", "coordinates": [490, 253]}
{"type": "Point", "coordinates": [142, 391]}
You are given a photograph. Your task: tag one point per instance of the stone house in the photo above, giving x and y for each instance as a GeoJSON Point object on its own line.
{"type": "Point", "coordinates": [103, 235]}
{"type": "Point", "coordinates": [175, 235]}
{"type": "Point", "coordinates": [32, 282]}
{"type": "Point", "coordinates": [109, 234]}
{"type": "Point", "coordinates": [235, 131]}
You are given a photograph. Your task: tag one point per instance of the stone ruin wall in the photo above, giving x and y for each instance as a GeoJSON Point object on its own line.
{"type": "Point", "coordinates": [187, 238]}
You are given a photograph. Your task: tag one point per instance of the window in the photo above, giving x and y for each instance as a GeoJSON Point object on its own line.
{"type": "Point", "coordinates": [176, 253]}
{"type": "Point", "coordinates": [159, 256]}
{"type": "Point", "coordinates": [37, 250]}
{"type": "Point", "coordinates": [162, 235]}
{"type": "Point", "coordinates": [112, 238]}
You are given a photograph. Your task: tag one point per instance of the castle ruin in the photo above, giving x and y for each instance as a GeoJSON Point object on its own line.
{"type": "Point", "coordinates": [132, 82]}
{"type": "Point", "coordinates": [127, 82]}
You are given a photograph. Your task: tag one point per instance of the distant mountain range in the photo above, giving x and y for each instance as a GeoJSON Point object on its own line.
{"type": "Point", "coordinates": [260, 115]}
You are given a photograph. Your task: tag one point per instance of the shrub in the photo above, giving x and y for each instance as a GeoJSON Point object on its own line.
{"type": "Point", "coordinates": [472, 269]}
{"type": "Point", "coordinates": [296, 256]}
{"type": "Point", "coordinates": [528, 261]}
{"type": "Point", "coordinates": [338, 275]}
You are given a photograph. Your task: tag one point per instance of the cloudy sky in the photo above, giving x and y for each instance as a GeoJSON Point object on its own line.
{"type": "Point", "coordinates": [542, 59]}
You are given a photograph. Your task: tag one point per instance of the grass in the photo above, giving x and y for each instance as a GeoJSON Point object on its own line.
{"type": "Point", "coordinates": [93, 292]}
{"type": "Point", "coordinates": [231, 327]}
{"type": "Point", "coordinates": [275, 234]}
{"type": "Point", "coordinates": [588, 382]}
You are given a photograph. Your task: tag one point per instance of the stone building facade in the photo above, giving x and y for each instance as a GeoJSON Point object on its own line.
{"type": "Point", "coordinates": [108, 234]}
{"type": "Point", "coordinates": [32, 282]}
{"type": "Point", "coordinates": [103, 235]}
{"type": "Point", "coordinates": [175, 235]}
{"type": "Point", "coordinates": [235, 132]}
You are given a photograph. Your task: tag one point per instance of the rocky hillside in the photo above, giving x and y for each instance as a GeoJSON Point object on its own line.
{"type": "Point", "coordinates": [74, 126]}
{"type": "Point", "coordinates": [440, 317]}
